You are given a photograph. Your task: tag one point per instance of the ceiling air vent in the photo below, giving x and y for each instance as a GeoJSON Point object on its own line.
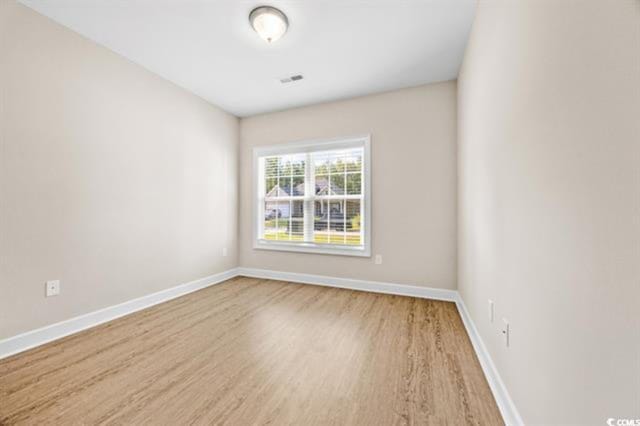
{"type": "Point", "coordinates": [291, 79]}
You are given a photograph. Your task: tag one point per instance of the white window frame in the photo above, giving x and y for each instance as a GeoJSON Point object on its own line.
{"type": "Point", "coordinates": [309, 146]}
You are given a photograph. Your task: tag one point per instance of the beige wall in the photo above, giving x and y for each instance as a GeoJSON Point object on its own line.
{"type": "Point", "coordinates": [112, 179]}
{"type": "Point", "coordinates": [549, 184]}
{"type": "Point", "coordinates": [413, 134]}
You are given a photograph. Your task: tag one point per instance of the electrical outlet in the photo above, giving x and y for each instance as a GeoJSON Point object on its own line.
{"type": "Point", "coordinates": [506, 332]}
{"type": "Point", "coordinates": [490, 310]}
{"type": "Point", "coordinates": [224, 252]}
{"type": "Point", "coordinates": [52, 288]}
{"type": "Point", "coordinates": [378, 259]}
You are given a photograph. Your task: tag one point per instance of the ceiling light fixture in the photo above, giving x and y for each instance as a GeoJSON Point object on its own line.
{"type": "Point", "coordinates": [269, 22]}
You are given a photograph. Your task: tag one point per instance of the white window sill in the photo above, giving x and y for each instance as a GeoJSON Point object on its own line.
{"type": "Point", "coordinates": [330, 249]}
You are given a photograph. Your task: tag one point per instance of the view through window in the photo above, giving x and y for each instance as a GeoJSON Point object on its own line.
{"type": "Point", "coordinates": [314, 197]}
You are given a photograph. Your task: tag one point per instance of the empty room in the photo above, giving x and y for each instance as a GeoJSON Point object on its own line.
{"type": "Point", "coordinates": [320, 212]}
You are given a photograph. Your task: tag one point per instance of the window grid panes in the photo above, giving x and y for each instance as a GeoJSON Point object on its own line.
{"type": "Point", "coordinates": [314, 197]}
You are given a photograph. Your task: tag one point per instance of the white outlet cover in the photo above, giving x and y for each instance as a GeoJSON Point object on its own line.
{"type": "Point", "coordinates": [490, 310]}
{"type": "Point", "coordinates": [378, 259]}
{"type": "Point", "coordinates": [52, 288]}
{"type": "Point", "coordinates": [506, 332]}
{"type": "Point", "coordinates": [224, 252]}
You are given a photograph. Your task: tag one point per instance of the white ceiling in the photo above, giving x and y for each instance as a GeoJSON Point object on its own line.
{"type": "Point", "coordinates": [344, 48]}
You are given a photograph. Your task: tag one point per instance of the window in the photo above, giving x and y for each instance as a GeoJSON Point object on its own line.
{"type": "Point", "coordinates": [314, 197]}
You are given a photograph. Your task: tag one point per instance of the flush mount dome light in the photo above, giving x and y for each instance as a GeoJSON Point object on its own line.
{"type": "Point", "coordinates": [269, 22]}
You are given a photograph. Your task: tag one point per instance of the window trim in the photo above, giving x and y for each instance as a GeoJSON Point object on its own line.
{"type": "Point", "coordinates": [314, 146]}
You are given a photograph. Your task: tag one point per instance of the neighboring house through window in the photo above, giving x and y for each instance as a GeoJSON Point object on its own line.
{"type": "Point", "coordinates": [314, 197]}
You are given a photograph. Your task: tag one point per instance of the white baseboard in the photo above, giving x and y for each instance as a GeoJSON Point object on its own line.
{"type": "Point", "coordinates": [509, 412]}
{"type": "Point", "coordinates": [31, 339]}
{"type": "Point", "coordinates": [353, 284]}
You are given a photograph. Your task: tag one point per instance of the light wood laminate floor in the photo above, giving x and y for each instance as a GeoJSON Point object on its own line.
{"type": "Point", "coordinates": [253, 351]}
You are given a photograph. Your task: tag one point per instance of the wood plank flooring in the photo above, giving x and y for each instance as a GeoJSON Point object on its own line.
{"type": "Point", "coordinates": [253, 351]}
